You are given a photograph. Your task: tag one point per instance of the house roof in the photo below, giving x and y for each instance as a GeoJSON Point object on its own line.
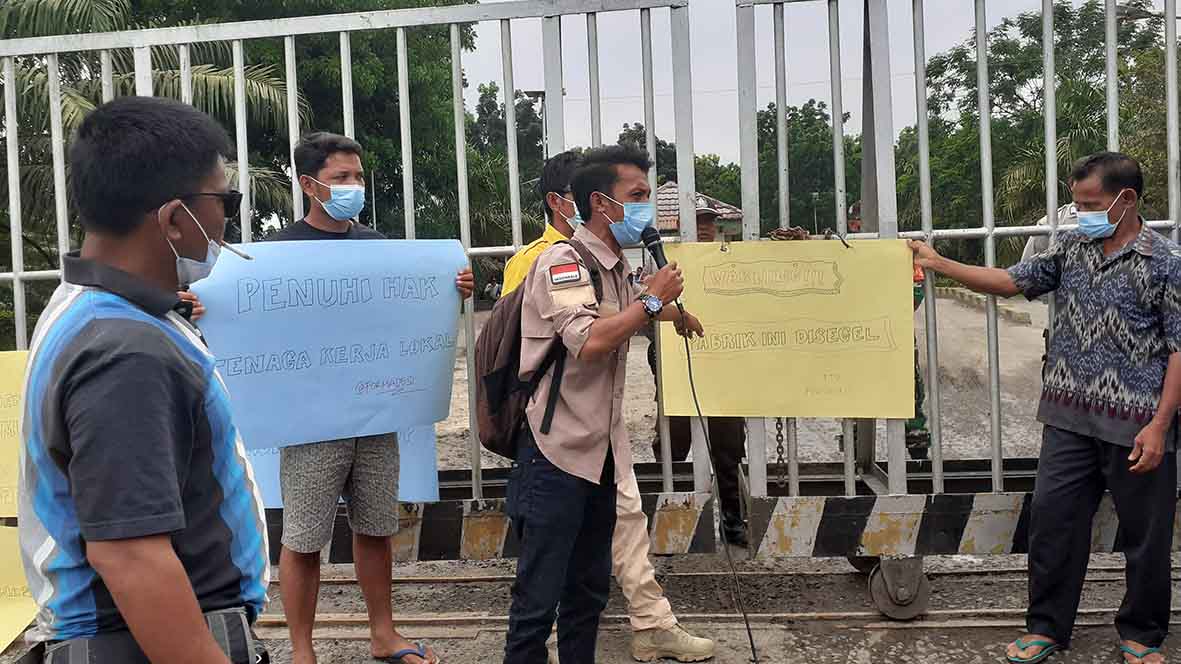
{"type": "Point", "coordinates": [668, 207]}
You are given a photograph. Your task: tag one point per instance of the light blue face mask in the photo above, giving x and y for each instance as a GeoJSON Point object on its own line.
{"type": "Point", "coordinates": [1094, 224]}
{"type": "Point", "coordinates": [574, 221]}
{"type": "Point", "coordinates": [346, 201]}
{"type": "Point", "coordinates": [636, 217]}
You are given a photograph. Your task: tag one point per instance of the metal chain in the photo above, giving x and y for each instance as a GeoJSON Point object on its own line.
{"type": "Point", "coordinates": [781, 479]}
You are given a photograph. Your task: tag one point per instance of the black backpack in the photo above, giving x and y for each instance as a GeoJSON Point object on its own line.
{"type": "Point", "coordinates": [501, 396]}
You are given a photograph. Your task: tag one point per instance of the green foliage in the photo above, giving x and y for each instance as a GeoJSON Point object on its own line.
{"type": "Point", "coordinates": [1015, 87]}
{"type": "Point", "coordinates": [809, 167]}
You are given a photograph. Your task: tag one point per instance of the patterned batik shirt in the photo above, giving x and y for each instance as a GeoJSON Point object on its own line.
{"type": "Point", "coordinates": [1118, 319]}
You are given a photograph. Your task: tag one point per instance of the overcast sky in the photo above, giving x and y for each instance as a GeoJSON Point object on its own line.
{"type": "Point", "coordinates": [714, 63]}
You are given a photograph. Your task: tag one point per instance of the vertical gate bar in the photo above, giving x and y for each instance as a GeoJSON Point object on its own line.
{"type": "Point", "coordinates": [108, 75]}
{"type": "Point", "coordinates": [748, 131]}
{"type": "Point", "coordinates": [1171, 103]}
{"type": "Point", "coordinates": [749, 158]}
{"type": "Point", "coordinates": [666, 453]}
{"type": "Point", "coordinates": [1112, 61]}
{"type": "Point", "coordinates": [1050, 113]}
{"type": "Point", "coordinates": [404, 126]}
{"type": "Point", "coordinates": [592, 58]}
{"type": "Point", "coordinates": [293, 132]}
{"type": "Point", "coordinates": [16, 237]}
{"type": "Point", "coordinates": [465, 236]}
{"type": "Point", "coordinates": [662, 425]}
{"type": "Point", "coordinates": [143, 70]}
{"type": "Point", "coordinates": [58, 147]}
{"type": "Point", "coordinates": [838, 115]}
{"type": "Point", "coordinates": [649, 100]}
{"type": "Point", "coordinates": [840, 201]}
{"type": "Point", "coordinates": [849, 440]}
{"type": "Point", "coordinates": [985, 111]}
{"type": "Point", "coordinates": [686, 176]}
{"type": "Point", "coordinates": [783, 196]}
{"type": "Point", "coordinates": [346, 84]}
{"type": "Point", "coordinates": [650, 146]}
{"type": "Point", "coordinates": [793, 458]}
{"type": "Point", "coordinates": [887, 200]}
{"type": "Point", "coordinates": [186, 73]}
{"type": "Point", "coordinates": [555, 116]}
{"type": "Point", "coordinates": [510, 124]}
{"type": "Point", "coordinates": [240, 138]}
{"type": "Point", "coordinates": [756, 440]}
{"type": "Point", "coordinates": [781, 116]}
{"type": "Point", "coordinates": [929, 313]}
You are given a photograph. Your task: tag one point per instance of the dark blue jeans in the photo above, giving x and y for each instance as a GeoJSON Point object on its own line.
{"type": "Point", "coordinates": [564, 570]}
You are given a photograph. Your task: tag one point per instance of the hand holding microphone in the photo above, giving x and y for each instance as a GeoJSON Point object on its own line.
{"type": "Point", "coordinates": [668, 282]}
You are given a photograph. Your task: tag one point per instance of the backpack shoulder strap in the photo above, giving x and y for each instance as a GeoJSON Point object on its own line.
{"type": "Point", "coordinates": [557, 356]}
{"type": "Point", "coordinates": [591, 263]}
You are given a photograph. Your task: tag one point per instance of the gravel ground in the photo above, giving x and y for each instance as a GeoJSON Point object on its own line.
{"type": "Point", "coordinates": [964, 398]}
{"type": "Point", "coordinates": [819, 643]}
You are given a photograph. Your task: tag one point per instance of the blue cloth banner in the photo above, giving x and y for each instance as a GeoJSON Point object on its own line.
{"type": "Point", "coordinates": [326, 340]}
{"type": "Point", "coordinates": [418, 474]}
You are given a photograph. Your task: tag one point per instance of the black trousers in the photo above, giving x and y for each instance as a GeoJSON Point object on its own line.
{"type": "Point", "coordinates": [564, 568]}
{"type": "Point", "coordinates": [1073, 473]}
{"type": "Point", "coordinates": [727, 443]}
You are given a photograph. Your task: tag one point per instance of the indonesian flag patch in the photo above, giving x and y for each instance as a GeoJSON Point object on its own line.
{"type": "Point", "coordinates": [565, 273]}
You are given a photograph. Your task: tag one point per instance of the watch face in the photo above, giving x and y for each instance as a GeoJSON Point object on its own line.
{"type": "Point", "coordinates": [653, 304]}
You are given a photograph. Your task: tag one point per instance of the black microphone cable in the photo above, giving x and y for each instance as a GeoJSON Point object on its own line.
{"type": "Point", "coordinates": [736, 590]}
{"type": "Point", "coordinates": [652, 242]}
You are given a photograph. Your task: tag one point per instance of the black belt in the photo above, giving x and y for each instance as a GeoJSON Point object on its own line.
{"type": "Point", "coordinates": [230, 629]}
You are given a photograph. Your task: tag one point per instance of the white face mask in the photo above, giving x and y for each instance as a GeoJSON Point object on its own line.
{"type": "Point", "coordinates": [190, 270]}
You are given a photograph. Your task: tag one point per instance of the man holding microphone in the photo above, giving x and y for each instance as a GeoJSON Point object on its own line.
{"type": "Point", "coordinates": [562, 493]}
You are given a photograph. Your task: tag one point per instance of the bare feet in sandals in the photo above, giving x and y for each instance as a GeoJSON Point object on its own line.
{"type": "Point", "coordinates": [400, 651]}
{"type": "Point", "coordinates": [1138, 653]}
{"type": "Point", "coordinates": [1031, 648]}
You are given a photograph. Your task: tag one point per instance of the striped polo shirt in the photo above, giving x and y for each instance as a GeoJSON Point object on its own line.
{"type": "Point", "coordinates": [127, 433]}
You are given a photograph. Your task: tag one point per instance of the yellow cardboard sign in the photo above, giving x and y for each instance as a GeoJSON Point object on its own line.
{"type": "Point", "coordinates": [17, 607]}
{"type": "Point", "coordinates": [12, 384]}
{"type": "Point", "coordinates": [795, 329]}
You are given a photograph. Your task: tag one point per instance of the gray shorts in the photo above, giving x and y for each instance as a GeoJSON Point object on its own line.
{"type": "Point", "coordinates": [314, 477]}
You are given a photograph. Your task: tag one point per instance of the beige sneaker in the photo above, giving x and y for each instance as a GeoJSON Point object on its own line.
{"type": "Point", "coordinates": [650, 645]}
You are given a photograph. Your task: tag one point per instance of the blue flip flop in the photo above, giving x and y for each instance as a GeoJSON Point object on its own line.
{"type": "Point", "coordinates": [399, 657]}
{"type": "Point", "coordinates": [1047, 648]}
{"type": "Point", "coordinates": [1138, 655]}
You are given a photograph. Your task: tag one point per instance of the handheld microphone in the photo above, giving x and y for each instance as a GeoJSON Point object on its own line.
{"type": "Point", "coordinates": [655, 246]}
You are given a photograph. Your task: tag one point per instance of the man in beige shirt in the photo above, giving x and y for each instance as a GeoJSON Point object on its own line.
{"type": "Point", "coordinates": [561, 494]}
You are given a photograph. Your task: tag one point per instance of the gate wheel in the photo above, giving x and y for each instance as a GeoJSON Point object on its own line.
{"type": "Point", "coordinates": [894, 609]}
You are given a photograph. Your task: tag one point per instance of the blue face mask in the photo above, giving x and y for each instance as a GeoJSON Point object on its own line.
{"type": "Point", "coordinates": [574, 221]}
{"type": "Point", "coordinates": [636, 217]}
{"type": "Point", "coordinates": [1094, 224]}
{"type": "Point", "coordinates": [346, 202]}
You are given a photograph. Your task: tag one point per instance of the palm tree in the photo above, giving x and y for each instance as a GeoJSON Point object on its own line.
{"type": "Point", "coordinates": [81, 88]}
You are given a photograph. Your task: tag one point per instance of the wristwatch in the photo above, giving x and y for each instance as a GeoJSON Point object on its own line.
{"type": "Point", "coordinates": [652, 305]}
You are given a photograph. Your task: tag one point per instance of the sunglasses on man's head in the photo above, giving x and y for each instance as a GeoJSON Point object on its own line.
{"type": "Point", "coordinates": [231, 201]}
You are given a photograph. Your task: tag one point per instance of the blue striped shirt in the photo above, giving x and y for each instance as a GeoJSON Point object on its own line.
{"type": "Point", "coordinates": [127, 433]}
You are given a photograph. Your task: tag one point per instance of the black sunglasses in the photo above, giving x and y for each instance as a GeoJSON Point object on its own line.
{"type": "Point", "coordinates": [231, 201]}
